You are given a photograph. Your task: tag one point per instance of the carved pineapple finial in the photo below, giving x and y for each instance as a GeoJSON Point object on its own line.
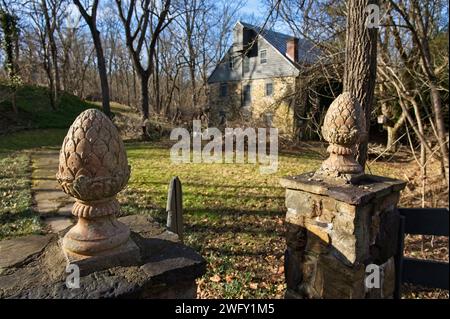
{"type": "Point", "coordinates": [343, 127]}
{"type": "Point", "coordinates": [93, 168]}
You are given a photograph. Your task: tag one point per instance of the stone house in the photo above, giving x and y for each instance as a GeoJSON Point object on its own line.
{"type": "Point", "coordinates": [258, 78]}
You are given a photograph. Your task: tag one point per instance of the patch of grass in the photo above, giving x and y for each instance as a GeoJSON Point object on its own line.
{"type": "Point", "coordinates": [35, 110]}
{"type": "Point", "coordinates": [31, 139]}
{"type": "Point", "coordinates": [16, 218]}
{"type": "Point", "coordinates": [233, 214]}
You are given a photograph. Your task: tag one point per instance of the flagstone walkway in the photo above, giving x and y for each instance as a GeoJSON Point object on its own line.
{"type": "Point", "coordinates": [49, 201]}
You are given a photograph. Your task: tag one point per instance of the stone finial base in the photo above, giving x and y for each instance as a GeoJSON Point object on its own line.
{"type": "Point", "coordinates": [334, 231]}
{"type": "Point", "coordinates": [97, 229]}
{"type": "Point", "coordinates": [93, 236]}
{"type": "Point", "coordinates": [127, 254]}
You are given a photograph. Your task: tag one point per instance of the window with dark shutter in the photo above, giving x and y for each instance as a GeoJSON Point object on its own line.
{"type": "Point", "coordinates": [247, 97]}
{"type": "Point", "coordinates": [231, 63]}
{"type": "Point", "coordinates": [246, 65]}
{"type": "Point", "coordinates": [223, 89]}
{"type": "Point", "coordinates": [269, 89]}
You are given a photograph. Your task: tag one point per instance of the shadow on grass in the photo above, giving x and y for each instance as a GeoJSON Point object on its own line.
{"type": "Point", "coordinates": [215, 186]}
{"type": "Point", "coordinates": [8, 217]}
{"type": "Point", "coordinates": [241, 228]}
{"type": "Point", "coordinates": [228, 211]}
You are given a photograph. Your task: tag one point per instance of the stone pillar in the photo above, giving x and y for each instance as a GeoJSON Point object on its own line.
{"type": "Point", "coordinates": [340, 220]}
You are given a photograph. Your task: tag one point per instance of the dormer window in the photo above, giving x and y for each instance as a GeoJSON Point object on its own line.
{"type": "Point", "coordinates": [263, 56]}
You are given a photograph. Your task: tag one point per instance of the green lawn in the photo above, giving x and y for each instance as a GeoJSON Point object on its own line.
{"type": "Point", "coordinates": [35, 111]}
{"type": "Point", "coordinates": [233, 214]}
{"type": "Point", "coordinates": [16, 217]}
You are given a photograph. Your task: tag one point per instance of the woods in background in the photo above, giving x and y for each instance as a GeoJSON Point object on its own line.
{"type": "Point", "coordinates": [152, 55]}
{"type": "Point", "coordinates": [411, 91]}
{"type": "Point", "coordinates": [155, 56]}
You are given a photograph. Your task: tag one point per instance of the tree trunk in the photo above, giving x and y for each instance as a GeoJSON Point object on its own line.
{"type": "Point", "coordinates": [144, 96]}
{"type": "Point", "coordinates": [440, 128]}
{"type": "Point", "coordinates": [423, 151]}
{"type": "Point", "coordinates": [360, 63]}
{"type": "Point", "coordinates": [134, 85]}
{"type": "Point", "coordinates": [392, 133]}
{"type": "Point", "coordinates": [101, 65]}
{"type": "Point", "coordinates": [56, 84]}
{"type": "Point", "coordinates": [157, 87]}
{"type": "Point", "coordinates": [51, 86]}
{"type": "Point", "coordinates": [391, 137]}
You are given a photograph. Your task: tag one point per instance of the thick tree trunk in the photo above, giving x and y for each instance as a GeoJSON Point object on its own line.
{"type": "Point", "coordinates": [361, 62]}
{"type": "Point", "coordinates": [144, 96]}
{"type": "Point", "coordinates": [101, 65]}
{"type": "Point", "coordinates": [127, 82]}
{"type": "Point", "coordinates": [134, 86]}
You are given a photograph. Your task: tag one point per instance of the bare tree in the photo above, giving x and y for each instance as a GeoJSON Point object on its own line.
{"type": "Point", "coordinates": [10, 43]}
{"type": "Point", "coordinates": [417, 17]}
{"type": "Point", "coordinates": [143, 25]}
{"type": "Point", "coordinates": [91, 20]}
{"type": "Point", "coordinates": [50, 10]}
{"type": "Point", "coordinates": [361, 62]}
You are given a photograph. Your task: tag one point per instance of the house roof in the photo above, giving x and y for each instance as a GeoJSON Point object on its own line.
{"type": "Point", "coordinates": [307, 52]}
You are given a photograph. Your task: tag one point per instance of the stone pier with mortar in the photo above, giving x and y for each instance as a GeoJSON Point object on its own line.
{"type": "Point", "coordinates": [340, 220]}
{"type": "Point", "coordinates": [115, 257]}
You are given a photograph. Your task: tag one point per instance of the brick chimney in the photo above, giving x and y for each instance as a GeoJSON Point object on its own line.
{"type": "Point", "coordinates": [292, 49]}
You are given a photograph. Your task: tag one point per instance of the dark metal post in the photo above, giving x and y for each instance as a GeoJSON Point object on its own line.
{"type": "Point", "coordinates": [175, 208]}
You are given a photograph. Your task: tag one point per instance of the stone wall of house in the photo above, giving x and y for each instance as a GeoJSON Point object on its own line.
{"type": "Point", "coordinates": [229, 104]}
{"type": "Point", "coordinates": [280, 104]}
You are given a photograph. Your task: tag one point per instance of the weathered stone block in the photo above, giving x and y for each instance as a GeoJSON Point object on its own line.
{"type": "Point", "coordinates": [301, 204]}
{"type": "Point", "coordinates": [17, 251]}
{"type": "Point", "coordinates": [340, 281]}
{"type": "Point", "coordinates": [385, 245]}
{"type": "Point", "coordinates": [322, 233]}
{"type": "Point", "coordinates": [344, 247]}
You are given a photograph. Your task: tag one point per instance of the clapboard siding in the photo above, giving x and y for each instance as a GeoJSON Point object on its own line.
{"type": "Point", "coordinates": [277, 65]}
